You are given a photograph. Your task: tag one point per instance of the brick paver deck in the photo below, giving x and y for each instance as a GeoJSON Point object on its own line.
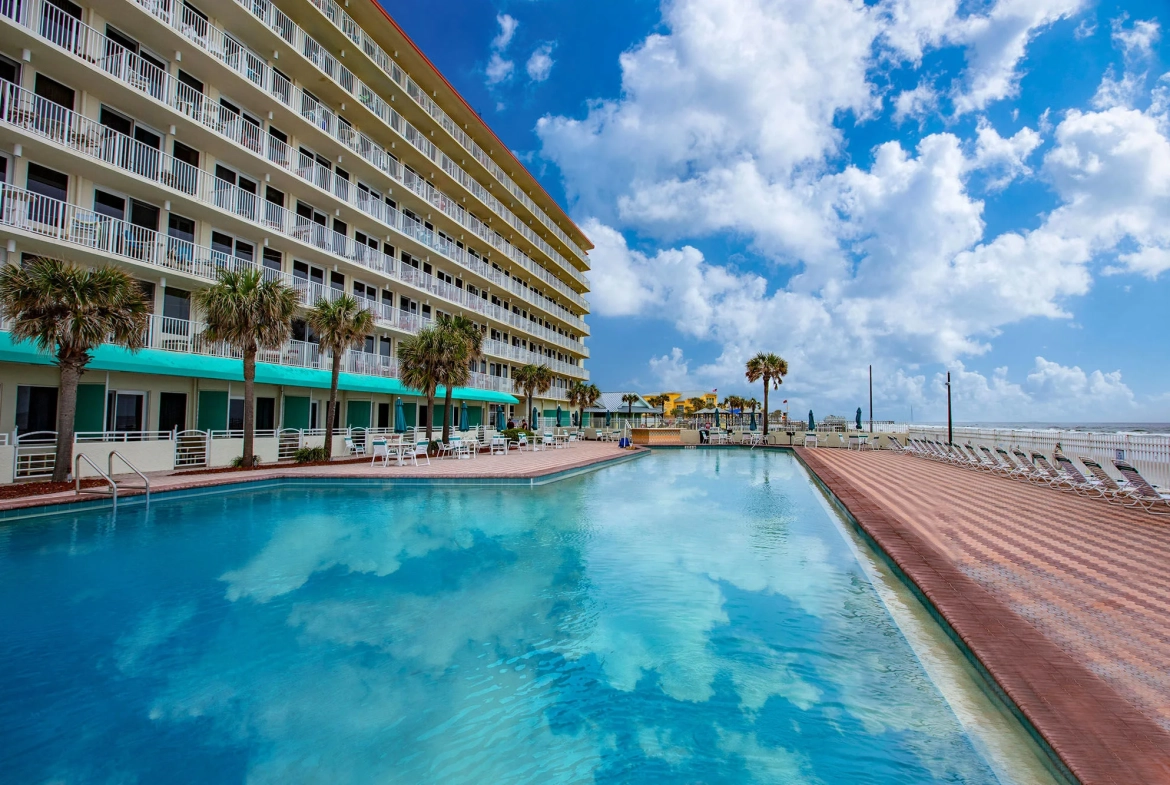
{"type": "Point", "coordinates": [1063, 599]}
{"type": "Point", "coordinates": [514, 465]}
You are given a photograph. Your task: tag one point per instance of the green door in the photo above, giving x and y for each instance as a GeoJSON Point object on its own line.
{"type": "Point", "coordinates": [213, 410]}
{"type": "Point", "coordinates": [357, 414]}
{"type": "Point", "coordinates": [474, 416]}
{"type": "Point", "coordinates": [91, 403]}
{"type": "Point", "coordinates": [409, 414]}
{"type": "Point", "coordinates": [296, 412]}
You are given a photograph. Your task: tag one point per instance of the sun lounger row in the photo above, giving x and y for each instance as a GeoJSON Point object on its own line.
{"type": "Point", "coordinates": [1132, 491]}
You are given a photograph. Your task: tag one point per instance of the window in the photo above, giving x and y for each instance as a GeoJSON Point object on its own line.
{"type": "Point", "coordinates": [301, 331]}
{"type": "Point", "coordinates": [265, 414]}
{"type": "Point", "coordinates": [47, 182]}
{"type": "Point", "coordinates": [36, 408]}
{"type": "Point", "coordinates": [236, 414]}
{"type": "Point", "coordinates": [384, 345]}
{"type": "Point", "coordinates": [191, 82]}
{"type": "Point", "coordinates": [231, 246]}
{"type": "Point", "coordinates": [302, 271]}
{"type": "Point", "coordinates": [9, 70]}
{"type": "Point", "coordinates": [172, 411]}
{"type": "Point", "coordinates": [184, 153]}
{"type": "Point", "coordinates": [181, 228]}
{"type": "Point", "coordinates": [176, 304]}
{"type": "Point", "coordinates": [337, 281]}
{"type": "Point", "coordinates": [273, 259]}
{"type": "Point", "coordinates": [124, 410]}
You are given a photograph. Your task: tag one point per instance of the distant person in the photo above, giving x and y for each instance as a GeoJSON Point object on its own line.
{"type": "Point", "coordinates": [524, 425]}
{"type": "Point", "coordinates": [511, 423]}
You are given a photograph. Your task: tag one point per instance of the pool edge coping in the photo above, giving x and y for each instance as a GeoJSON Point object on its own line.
{"type": "Point", "coordinates": [237, 484]}
{"type": "Point", "coordinates": [1033, 693]}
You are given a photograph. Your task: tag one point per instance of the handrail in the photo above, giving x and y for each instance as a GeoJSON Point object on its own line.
{"type": "Point", "coordinates": [78, 490]}
{"type": "Point", "coordinates": [131, 467]}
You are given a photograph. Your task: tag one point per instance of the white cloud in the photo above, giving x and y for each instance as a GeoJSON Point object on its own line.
{"type": "Point", "coordinates": [728, 124]}
{"type": "Point", "coordinates": [508, 25]}
{"type": "Point", "coordinates": [540, 63]}
{"type": "Point", "coordinates": [1136, 41]}
{"type": "Point", "coordinates": [915, 103]}
{"type": "Point", "coordinates": [1136, 44]}
{"type": "Point", "coordinates": [499, 68]}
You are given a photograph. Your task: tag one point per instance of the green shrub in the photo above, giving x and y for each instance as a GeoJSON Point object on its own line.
{"type": "Point", "coordinates": [310, 454]}
{"type": "Point", "coordinates": [512, 433]}
{"type": "Point", "coordinates": [238, 461]}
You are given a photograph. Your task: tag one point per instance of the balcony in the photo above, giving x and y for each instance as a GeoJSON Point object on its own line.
{"type": "Point", "coordinates": [111, 238]}
{"type": "Point", "coordinates": [62, 30]}
{"type": "Point", "coordinates": [37, 116]}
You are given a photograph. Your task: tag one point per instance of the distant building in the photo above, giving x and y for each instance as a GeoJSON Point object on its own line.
{"type": "Point", "coordinates": [611, 404]}
{"type": "Point", "coordinates": [676, 401]}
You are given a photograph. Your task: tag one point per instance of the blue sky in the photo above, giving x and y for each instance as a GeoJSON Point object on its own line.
{"type": "Point", "coordinates": [925, 185]}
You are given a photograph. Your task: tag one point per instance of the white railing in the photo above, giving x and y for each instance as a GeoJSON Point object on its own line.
{"type": "Point", "coordinates": [52, 218]}
{"type": "Point", "coordinates": [36, 452]}
{"type": "Point", "coordinates": [1149, 452]}
{"type": "Point", "coordinates": [344, 78]}
{"type": "Point", "coordinates": [87, 437]}
{"type": "Point", "coordinates": [192, 448]}
{"type": "Point", "coordinates": [63, 30]}
{"type": "Point", "coordinates": [3, 440]}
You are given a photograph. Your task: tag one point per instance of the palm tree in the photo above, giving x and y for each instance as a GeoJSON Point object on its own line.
{"type": "Point", "coordinates": [249, 313]}
{"type": "Point", "coordinates": [341, 325]}
{"type": "Point", "coordinates": [629, 399]}
{"type": "Point", "coordinates": [464, 346]}
{"type": "Point", "coordinates": [583, 396]}
{"type": "Point", "coordinates": [532, 379]}
{"type": "Point", "coordinates": [420, 365]}
{"type": "Point", "coordinates": [69, 311]}
{"type": "Point", "coordinates": [658, 401]}
{"type": "Point", "coordinates": [772, 368]}
{"type": "Point", "coordinates": [696, 404]}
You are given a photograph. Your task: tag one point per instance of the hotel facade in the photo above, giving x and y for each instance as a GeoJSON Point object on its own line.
{"type": "Point", "coordinates": [308, 139]}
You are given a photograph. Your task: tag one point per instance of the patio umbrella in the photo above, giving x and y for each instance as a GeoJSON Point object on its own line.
{"type": "Point", "coordinates": [812, 423]}
{"type": "Point", "coordinates": [859, 418]}
{"type": "Point", "coordinates": [463, 415]}
{"type": "Point", "coordinates": [535, 424]}
{"type": "Point", "coordinates": [500, 423]}
{"type": "Point", "coordinates": [576, 419]}
{"type": "Point", "coordinates": [716, 416]}
{"type": "Point", "coordinates": [399, 417]}
{"type": "Point", "coordinates": [752, 423]}
{"type": "Point", "coordinates": [608, 418]}
{"type": "Point", "coordinates": [558, 415]}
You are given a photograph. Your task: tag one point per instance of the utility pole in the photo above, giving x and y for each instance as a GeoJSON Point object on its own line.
{"type": "Point", "coordinates": [871, 398]}
{"type": "Point", "coordinates": [950, 422]}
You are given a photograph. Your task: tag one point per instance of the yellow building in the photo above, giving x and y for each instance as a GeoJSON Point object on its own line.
{"type": "Point", "coordinates": [307, 139]}
{"type": "Point", "coordinates": [676, 401]}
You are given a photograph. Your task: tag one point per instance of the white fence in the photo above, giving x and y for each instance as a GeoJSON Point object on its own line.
{"type": "Point", "coordinates": [1149, 452]}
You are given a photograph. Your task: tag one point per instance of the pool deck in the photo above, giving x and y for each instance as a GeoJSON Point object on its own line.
{"type": "Point", "coordinates": [1064, 600]}
{"type": "Point", "coordinates": [513, 466]}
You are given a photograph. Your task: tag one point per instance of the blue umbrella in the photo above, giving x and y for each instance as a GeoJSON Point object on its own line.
{"type": "Point", "coordinates": [463, 415]}
{"type": "Point", "coordinates": [859, 418]}
{"type": "Point", "coordinates": [399, 417]}
{"type": "Point", "coordinates": [500, 423]}
{"type": "Point", "coordinates": [535, 419]}
{"type": "Point", "coordinates": [558, 415]}
{"type": "Point", "coordinates": [608, 418]}
{"type": "Point", "coordinates": [812, 423]}
{"type": "Point", "coordinates": [576, 418]}
{"type": "Point", "coordinates": [752, 424]}
{"type": "Point", "coordinates": [716, 416]}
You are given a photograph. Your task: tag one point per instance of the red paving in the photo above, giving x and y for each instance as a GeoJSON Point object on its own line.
{"type": "Point", "coordinates": [1063, 599]}
{"type": "Point", "coordinates": [514, 465]}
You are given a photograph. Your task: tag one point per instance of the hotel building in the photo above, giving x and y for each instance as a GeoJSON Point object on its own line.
{"type": "Point", "coordinates": [306, 138]}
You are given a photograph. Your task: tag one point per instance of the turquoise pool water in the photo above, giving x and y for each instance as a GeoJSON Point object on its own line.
{"type": "Point", "coordinates": [687, 617]}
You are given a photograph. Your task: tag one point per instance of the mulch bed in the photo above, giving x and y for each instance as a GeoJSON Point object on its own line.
{"type": "Point", "coordinates": [267, 466]}
{"type": "Point", "coordinates": [22, 489]}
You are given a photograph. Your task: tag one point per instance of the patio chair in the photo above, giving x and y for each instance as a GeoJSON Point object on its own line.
{"type": "Point", "coordinates": [1005, 457]}
{"type": "Point", "coordinates": [499, 446]}
{"type": "Point", "coordinates": [380, 450]}
{"type": "Point", "coordinates": [893, 445]}
{"type": "Point", "coordinates": [1030, 471]}
{"type": "Point", "coordinates": [1055, 478]}
{"type": "Point", "coordinates": [1081, 484]}
{"type": "Point", "coordinates": [547, 440]}
{"type": "Point", "coordinates": [1145, 495]}
{"type": "Point", "coordinates": [420, 448]}
{"type": "Point", "coordinates": [353, 447]}
{"type": "Point", "coordinates": [995, 461]}
{"type": "Point", "coordinates": [520, 443]}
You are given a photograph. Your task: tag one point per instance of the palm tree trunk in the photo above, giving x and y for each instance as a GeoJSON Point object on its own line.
{"type": "Point", "coordinates": [527, 414]}
{"type": "Point", "coordinates": [447, 415]}
{"type": "Point", "coordinates": [330, 415]}
{"type": "Point", "coordinates": [66, 414]}
{"type": "Point", "coordinates": [249, 406]}
{"type": "Point", "coordinates": [767, 383]}
{"type": "Point", "coordinates": [430, 417]}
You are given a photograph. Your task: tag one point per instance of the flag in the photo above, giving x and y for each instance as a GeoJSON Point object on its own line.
{"type": "Point", "coordinates": [784, 401]}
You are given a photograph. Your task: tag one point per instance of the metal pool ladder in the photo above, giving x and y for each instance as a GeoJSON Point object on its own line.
{"type": "Point", "coordinates": [112, 489]}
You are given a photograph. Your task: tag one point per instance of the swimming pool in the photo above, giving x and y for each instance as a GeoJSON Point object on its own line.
{"type": "Point", "coordinates": [693, 616]}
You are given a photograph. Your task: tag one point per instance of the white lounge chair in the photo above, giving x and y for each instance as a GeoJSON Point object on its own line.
{"type": "Point", "coordinates": [420, 448]}
{"type": "Point", "coordinates": [380, 450]}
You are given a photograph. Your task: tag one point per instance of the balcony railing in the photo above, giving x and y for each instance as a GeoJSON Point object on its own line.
{"type": "Point", "coordinates": [68, 223]}
{"type": "Point", "coordinates": [88, 44]}
{"type": "Point", "coordinates": [35, 115]}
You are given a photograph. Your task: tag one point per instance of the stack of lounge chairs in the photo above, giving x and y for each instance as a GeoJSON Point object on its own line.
{"type": "Point", "coordinates": [1061, 473]}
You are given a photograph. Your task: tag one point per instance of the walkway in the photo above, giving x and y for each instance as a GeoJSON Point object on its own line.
{"type": "Point", "coordinates": [514, 465]}
{"type": "Point", "coordinates": [1065, 600]}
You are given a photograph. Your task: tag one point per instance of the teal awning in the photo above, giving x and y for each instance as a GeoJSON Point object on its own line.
{"type": "Point", "coordinates": [157, 361]}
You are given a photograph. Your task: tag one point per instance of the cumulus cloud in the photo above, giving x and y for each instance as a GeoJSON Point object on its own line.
{"type": "Point", "coordinates": [1135, 43]}
{"type": "Point", "coordinates": [915, 103]}
{"type": "Point", "coordinates": [540, 63]}
{"type": "Point", "coordinates": [500, 68]}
